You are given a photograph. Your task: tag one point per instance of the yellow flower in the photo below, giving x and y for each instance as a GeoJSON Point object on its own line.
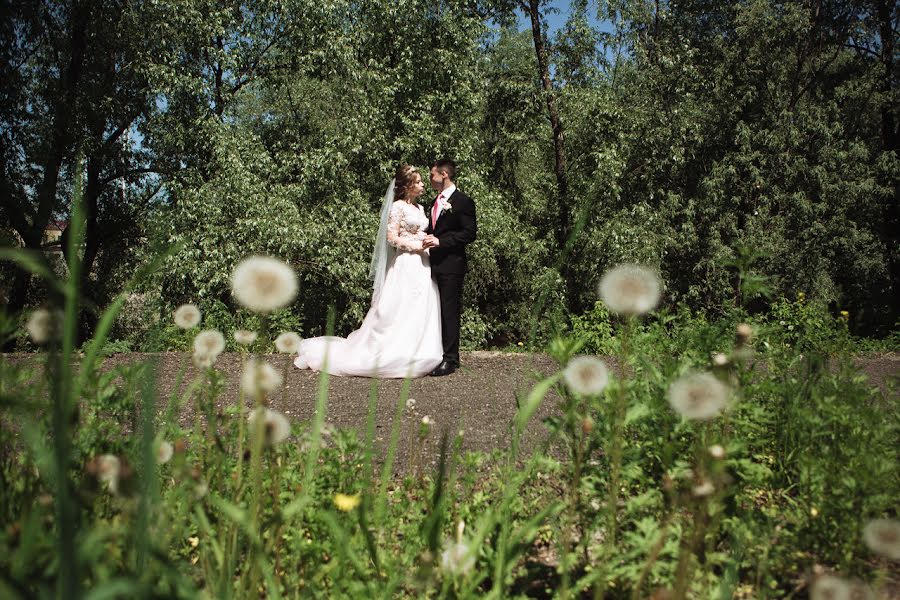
{"type": "Point", "coordinates": [346, 503]}
{"type": "Point", "coordinates": [520, 344]}
{"type": "Point", "coordinates": [814, 512]}
{"type": "Point", "coordinates": [845, 315]}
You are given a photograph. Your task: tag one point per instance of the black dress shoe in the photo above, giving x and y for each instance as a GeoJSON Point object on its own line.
{"type": "Point", "coordinates": [445, 368]}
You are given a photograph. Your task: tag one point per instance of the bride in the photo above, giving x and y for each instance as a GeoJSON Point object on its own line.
{"type": "Point", "coordinates": [401, 334]}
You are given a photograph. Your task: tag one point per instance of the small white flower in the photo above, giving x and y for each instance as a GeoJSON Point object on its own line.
{"type": "Point", "coordinates": [427, 421]}
{"type": "Point", "coordinates": [287, 342]}
{"type": "Point", "coordinates": [719, 359]}
{"type": "Point", "coordinates": [717, 452]}
{"type": "Point", "coordinates": [245, 337]}
{"type": "Point", "coordinates": [164, 452]}
{"type": "Point", "coordinates": [210, 342]}
{"type": "Point", "coordinates": [263, 284]}
{"type": "Point", "coordinates": [276, 426]}
{"type": "Point", "coordinates": [410, 404]}
{"type": "Point", "coordinates": [259, 377]}
{"type": "Point", "coordinates": [882, 536]}
{"type": "Point", "coordinates": [698, 396]}
{"type": "Point", "coordinates": [187, 316]}
{"type": "Point", "coordinates": [586, 375]}
{"type": "Point", "coordinates": [829, 587]}
{"type": "Point", "coordinates": [630, 289]}
{"type": "Point", "coordinates": [43, 325]}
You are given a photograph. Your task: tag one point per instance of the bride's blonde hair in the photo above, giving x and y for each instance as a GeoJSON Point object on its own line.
{"type": "Point", "coordinates": [403, 180]}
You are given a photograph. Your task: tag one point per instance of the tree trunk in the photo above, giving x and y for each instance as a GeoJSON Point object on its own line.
{"type": "Point", "coordinates": [60, 146]}
{"type": "Point", "coordinates": [889, 133]}
{"type": "Point", "coordinates": [563, 226]}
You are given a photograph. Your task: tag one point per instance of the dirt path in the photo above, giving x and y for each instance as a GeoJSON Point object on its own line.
{"type": "Point", "coordinates": [480, 399]}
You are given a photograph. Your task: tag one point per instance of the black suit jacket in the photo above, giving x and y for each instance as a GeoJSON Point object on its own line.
{"type": "Point", "coordinates": [454, 230]}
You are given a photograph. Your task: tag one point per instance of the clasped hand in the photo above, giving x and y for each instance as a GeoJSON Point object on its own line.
{"type": "Point", "coordinates": [430, 242]}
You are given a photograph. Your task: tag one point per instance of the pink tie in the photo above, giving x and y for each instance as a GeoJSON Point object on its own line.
{"type": "Point", "coordinates": [436, 210]}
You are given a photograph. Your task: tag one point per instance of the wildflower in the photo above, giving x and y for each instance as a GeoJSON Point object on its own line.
{"type": "Point", "coordinates": [698, 396]}
{"type": "Point", "coordinates": [630, 289]}
{"type": "Point", "coordinates": [410, 404]}
{"type": "Point", "coordinates": [829, 587]}
{"type": "Point", "coordinates": [814, 512]}
{"type": "Point", "coordinates": [345, 502]}
{"type": "Point", "coordinates": [43, 324]}
{"type": "Point", "coordinates": [164, 452]}
{"type": "Point", "coordinates": [882, 536]}
{"type": "Point", "coordinates": [263, 284]}
{"type": "Point", "coordinates": [743, 332]}
{"type": "Point", "coordinates": [259, 377]}
{"type": "Point", "coordinates": [520, 344]}
{"type": "Point", "coordinates": [703, 489]}
{"type": "Point", "coordinates": [244, 337]}
{"type": "Point", "coordinates": [287, 342]}
{"type": "Point", "coordinates": [586, 375]}
{"type": "Point", "coordinates": [276, 427]}
{"type": "Point", "coordinates": [209, 343]}
{"type": "Point", "coordinates": [845, 315]}
{"type": "Point", "coordinates": [427, 421]}
{"type": "Point", "coordinates": [187, 316]}
{"type": "Point", "coordinates": [193, 541]}
{"type": "Point", "coordinates": [458, 558]}
{"type": "Point", "coordinates": [717, 452]}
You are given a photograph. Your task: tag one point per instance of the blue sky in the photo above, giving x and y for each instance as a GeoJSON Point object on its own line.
{"type": "Point", "coordinates": [557, 18]}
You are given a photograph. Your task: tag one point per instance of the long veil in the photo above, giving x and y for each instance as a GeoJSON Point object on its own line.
{"type": "Point", "coordinates": [379, 264]}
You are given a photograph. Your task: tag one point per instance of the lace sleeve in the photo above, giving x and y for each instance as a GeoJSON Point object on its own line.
{"type": "Point", "coordinates": [398, 235]}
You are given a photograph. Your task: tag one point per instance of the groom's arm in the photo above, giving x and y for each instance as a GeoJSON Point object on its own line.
{"type": "Point", "coordinates": [468, 227]}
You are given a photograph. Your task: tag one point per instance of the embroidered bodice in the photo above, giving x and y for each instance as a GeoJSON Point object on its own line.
{"type": "Point", "coordinates": [406, 226]}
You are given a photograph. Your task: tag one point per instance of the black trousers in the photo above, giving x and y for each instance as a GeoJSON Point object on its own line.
{"type": "Point", "coordinates": [450, 287]}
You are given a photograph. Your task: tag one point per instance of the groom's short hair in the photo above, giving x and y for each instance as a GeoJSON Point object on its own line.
{"type": "Point", "coordinates": [445, 164]}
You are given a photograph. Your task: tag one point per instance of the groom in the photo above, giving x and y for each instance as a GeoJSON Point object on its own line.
{"type": "Point", "coordinates": [451, 225]}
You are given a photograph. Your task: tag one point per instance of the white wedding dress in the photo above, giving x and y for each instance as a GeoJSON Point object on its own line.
{"type": "Point", "coordinates": [401, 334]}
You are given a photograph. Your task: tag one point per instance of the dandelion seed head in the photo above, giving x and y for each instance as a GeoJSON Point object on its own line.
{"type": "Point", "coordinates": [276, 427]}
{"type": "Point", "coordinates": [427, 421]}
{"type": "Point", "coordinates": [457, 558]}
{"type": "Point", "coordinates": [717, 451]}
{"type": "Point", "coordinates": [263, 284]}
{"type": "Point", "coordinates": [698, 396]}
{"type": "Point", "coordinates": [586, 375]}
{"type": "Point", "coordinates": [210, 342]}
{"type": "Point", "coordinates": [187, 316]}
{"type": "Point", "coordinates": [743, 332]}
{"type": "Point", "coordinates": [703, 489]}
{"type": "Point", "coordinates": [164, 452]}
{"type": "Point", "coordinates": [630, 289]}
{"type": "Point", "coordinates": [43, 325]}
{"type": "Point", "coordinates": [829, 587]}
{"type": "Point", "coordinates": [287, 342]}
{"type": "Point", "coordinates": [245, 337]}
{"type": "Point", "coordinates": [202, 360]}
{"type": "Point", "coordinates": [882, 536]}
{"type": "Point", "coordinates": [259, 377]}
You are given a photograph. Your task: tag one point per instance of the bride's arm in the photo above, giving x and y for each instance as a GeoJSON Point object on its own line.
{"type": "Point", "coordinates": [397, 234]}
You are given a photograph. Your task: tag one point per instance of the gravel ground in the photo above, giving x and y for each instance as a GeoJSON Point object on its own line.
{"type": "Point", "coordinates": [479, 399]}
